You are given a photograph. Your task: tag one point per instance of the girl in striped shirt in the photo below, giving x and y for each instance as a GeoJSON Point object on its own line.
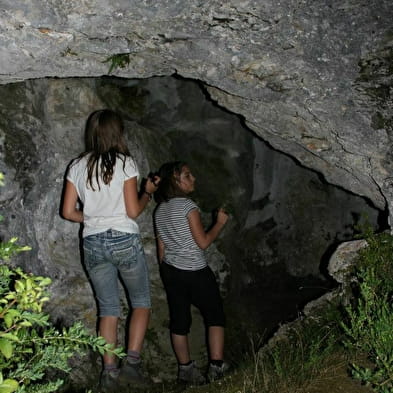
{"type": "Point", "coordinates": [188, 280]}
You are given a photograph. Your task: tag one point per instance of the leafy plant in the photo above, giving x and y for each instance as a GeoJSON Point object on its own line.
{"type": "Point", "coordinates": [29, 344]}
{"type": "Point", "coordinates": [120, 60]}
{"type": "Point", "coordinates": [10, 248]}
{"type": "Point", "coordinates": [370, 316]}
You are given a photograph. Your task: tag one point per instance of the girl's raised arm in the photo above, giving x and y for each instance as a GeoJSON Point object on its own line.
{"type": "Point", "coordinates": [202, 238]}
{"type": "Point", "coordinates": [134, 202]}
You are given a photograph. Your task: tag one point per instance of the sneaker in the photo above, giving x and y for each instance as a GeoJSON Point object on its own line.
{"type": "Point", "coordinates": [131, 374]}
{"type": "Point", "coordinates": [189, 374]}
{"type": "Point", "coordinates": [217, 372]}
{"type": "Point", "coordinates": [109, 381]}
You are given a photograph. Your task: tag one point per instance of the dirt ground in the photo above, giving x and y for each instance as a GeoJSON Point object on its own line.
{"type": "Point", "coordinates": [335, 379]}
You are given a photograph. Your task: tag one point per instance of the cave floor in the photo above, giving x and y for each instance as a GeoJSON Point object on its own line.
{"type": "Point", "coordinates": [333, 378]}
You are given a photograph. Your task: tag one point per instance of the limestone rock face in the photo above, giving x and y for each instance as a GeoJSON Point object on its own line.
{"type": "Point", "coordinates": [283, 217]}
{"type": "Point", "coordinates": [313, 78]}
{"type": "Point", "coordinates": [343, 258]}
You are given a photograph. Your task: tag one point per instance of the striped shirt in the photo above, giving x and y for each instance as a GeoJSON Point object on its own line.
{"type": "Point", "coordinates": [171, 222]}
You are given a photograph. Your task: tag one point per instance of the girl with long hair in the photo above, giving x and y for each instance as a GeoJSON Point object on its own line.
{"type": "Point", "coordinates": [188, 280]}
{"type": "Point", "coordinates": [104, 180]}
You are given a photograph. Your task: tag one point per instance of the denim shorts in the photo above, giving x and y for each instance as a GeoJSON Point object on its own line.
{"type": "Point", "coordinates": [111, 254]}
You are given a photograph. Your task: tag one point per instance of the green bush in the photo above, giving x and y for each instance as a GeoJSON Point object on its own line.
{"type": "Point", "coordinates": [369, 323]}
{"type": "Point", "coordinates": [29, 345]}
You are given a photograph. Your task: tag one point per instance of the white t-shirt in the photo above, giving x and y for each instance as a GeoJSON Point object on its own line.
{"type": "Point", "coordinates": [104, 208]}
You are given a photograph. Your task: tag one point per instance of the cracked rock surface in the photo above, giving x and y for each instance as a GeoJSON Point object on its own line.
{"type": "Point", "coordinates": [313, 78]}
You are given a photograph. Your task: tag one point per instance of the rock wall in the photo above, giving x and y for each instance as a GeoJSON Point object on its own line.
{"type": "Point", "coordinates": [282, 216]}
{"type": "Point", "coordinates": [313, 78]}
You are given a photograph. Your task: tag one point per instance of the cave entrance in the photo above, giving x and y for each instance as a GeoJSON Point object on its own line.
{"type": "Point", "coordinates": [285, 219]}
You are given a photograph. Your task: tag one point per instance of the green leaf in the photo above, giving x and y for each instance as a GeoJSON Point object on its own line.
{"type": "Point", "coordinates": [25, 324]}
{"type": "Point", "coordinates": [45, 281]}
{"type": "Point", "coordinates": [9, 336]}
{"type": "Point", "coordinates": [6, 348]}
{"type": "Point", "coordinates": [19, 286]}
{"type": "Point", "coordinates": [10, 316]}
{"type": "Point", "coordinates": [8, 319]}
{"type": "Point", "coordinates": [8, 386]}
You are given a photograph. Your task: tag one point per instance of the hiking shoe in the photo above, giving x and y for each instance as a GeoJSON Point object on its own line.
{"type": "Point", "coordinates": [217, 372]}
{"type": "Point", "coordinates": [189, 374]}
{"type": "Point", "coordinates": [109, 381]}
{"type": "Point", "coordinates": [131, 374]}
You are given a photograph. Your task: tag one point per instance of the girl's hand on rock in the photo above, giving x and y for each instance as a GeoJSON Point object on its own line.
{"type": "Point", "coordinates": [222, 216]}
